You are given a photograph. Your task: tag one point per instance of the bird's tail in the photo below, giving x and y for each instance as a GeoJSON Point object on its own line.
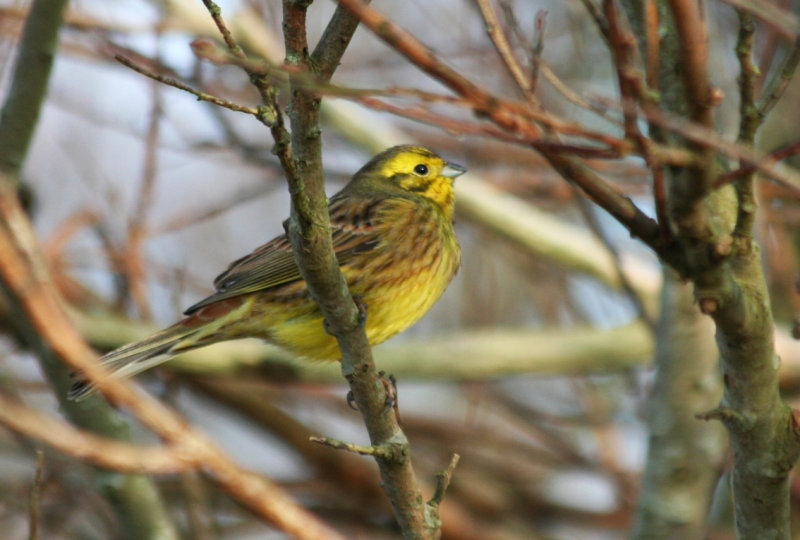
{"type": "Point", "coordinates": [142, 355]}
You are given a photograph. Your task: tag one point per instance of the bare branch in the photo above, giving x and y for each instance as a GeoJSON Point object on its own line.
{"type": "Point", "coordinates": [443, 479]}
{"type": "Point", "coordinates": [36, 490]}
{"type": "Point", "coordinates": [102, 451]}
{"type": "Point", "coordinates": [777, 85]}
{"type": "Point", "coordinates": [201, 96]}
{"type": "Point", "coordinates": [504, 49]}
{"type": "Point", "coordinates": [750, 118]}
{"type": "Point", "coordinates": [29, 83]}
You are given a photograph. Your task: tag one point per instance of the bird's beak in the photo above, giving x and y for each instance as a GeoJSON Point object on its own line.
{"type": "Point", "coordinates": [451, 170]}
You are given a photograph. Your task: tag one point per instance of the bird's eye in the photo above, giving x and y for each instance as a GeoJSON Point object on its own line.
{"type": "Point", "coordinates": [421, 169]}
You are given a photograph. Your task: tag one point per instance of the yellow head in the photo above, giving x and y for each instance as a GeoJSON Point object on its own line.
{"type": "Point", "coordinates": [414, 170]}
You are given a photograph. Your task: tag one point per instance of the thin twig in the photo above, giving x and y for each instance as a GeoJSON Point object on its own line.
{"type": "Point", "coordinates": [443, 479]}
{"type": "Point", "coordinates": [572, 96]}
{"type": "Point", "coordinates": [500, 42]}
{"type": "Point", "coordinates": [660, 200]}
{"type": "Point", "coordinates": [101, 451]}
{"type": "Point", "coordinates": [597, 16]}
{"type": "Point", "coordinates": [750, 118]}
{"type": "Point", "coordinates": [36, 490]}
{"type": "Point", "coordinates": [456, 126]}
{"type": "Point", "coordinates": [780, 154]}
{"type": "Point", "coordinates": [623, 46]}
{"type": "Point", "coordinates": [201, 96]}
{"type": "Point", "coordinates": [709, 138]}
{"type": "Point", "coordinates": [783, 21]}
{"type": "Point", "coordinates": [768, 50]}
{"type": "Point", "coordinates": [539, 26]}
{"type": "Point", "coordinates": [627, 287]}
{"type": "Point", "coordinates": [777, 85]}
{"type": "Point", "coordinates": [216, 15]}
{"type": "Point", "coordinates": [380, 451]}
{"type": "Point", "coordinates": [133, 262]}
{"type": "Point", "coordinates": [653, 43]}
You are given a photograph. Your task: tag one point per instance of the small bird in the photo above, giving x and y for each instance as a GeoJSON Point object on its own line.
{"type": "Point", "coordinates": [392, 230]}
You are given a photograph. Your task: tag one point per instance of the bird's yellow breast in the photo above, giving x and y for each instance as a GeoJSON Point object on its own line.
{"type": "Point", "coordinates": [397, 282]}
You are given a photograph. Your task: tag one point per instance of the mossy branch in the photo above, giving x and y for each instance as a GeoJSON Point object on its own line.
{"type": "Point", "coordinates": [309, 231]}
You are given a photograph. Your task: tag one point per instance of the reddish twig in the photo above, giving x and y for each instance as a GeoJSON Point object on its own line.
{"type": "Point", "coordinates": [694, 59]}
{"type": "Point", "coordinates": [777, 155]}
{"type": "Point", "coordinates": [623, 47]}
{"type": "Point", "coordinates": [653, 43]}
{"type": "Point", "coordinates": [101, 451]}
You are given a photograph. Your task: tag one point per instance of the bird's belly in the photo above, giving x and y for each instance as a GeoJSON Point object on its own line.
{"type": "Point", "coordinates": [391, 307]}
{"type": "Point", "coordinates": [395, 308]}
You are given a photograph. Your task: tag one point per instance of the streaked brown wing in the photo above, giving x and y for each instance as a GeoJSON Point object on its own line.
{"type": "Point", "coordinates": [273, 265]}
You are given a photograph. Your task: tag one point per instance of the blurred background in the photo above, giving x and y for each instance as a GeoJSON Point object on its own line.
{"type": "Point", "coordinates": [535, 366]}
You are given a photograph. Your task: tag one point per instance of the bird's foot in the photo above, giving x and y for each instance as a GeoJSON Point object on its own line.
{"type": "Point", "coordinates": [358, 300]}
{"type": "Point", "coordinates": [390, 386]}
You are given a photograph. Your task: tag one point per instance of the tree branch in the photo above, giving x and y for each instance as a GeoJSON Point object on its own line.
{"type": "Point", "coordinates": [309, 231]}
{"type": "Point", "coordinates": [29, 82]}
{"type": "Point", "coordinates": [101, 451]}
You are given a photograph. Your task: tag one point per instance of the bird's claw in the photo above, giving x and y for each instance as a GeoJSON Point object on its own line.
{"type": "Point", "coordinates": [362, 309]}
{"type": "Point", "coordinates": [390, 386]}
{"type": "Point", "coordinates": [351, 400]}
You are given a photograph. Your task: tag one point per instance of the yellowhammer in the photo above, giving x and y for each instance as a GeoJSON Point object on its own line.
{"type": "Point", "coordinates": [394, 240]}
